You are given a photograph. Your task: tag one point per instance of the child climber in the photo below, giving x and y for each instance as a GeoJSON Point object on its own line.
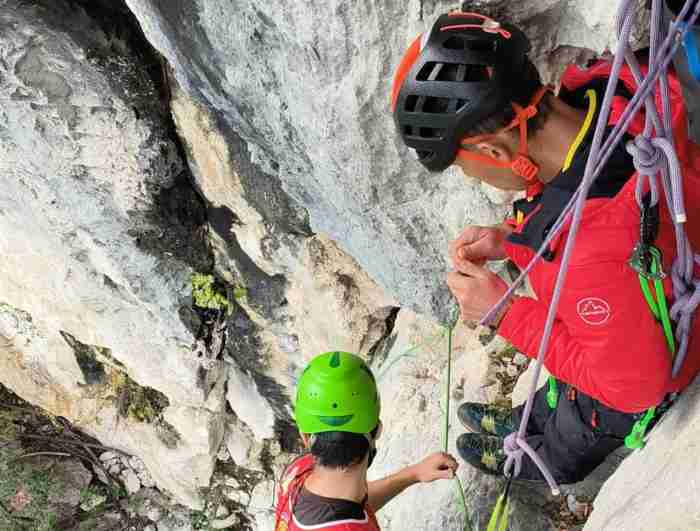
{"type": "Point", "coordinates": [337, 411]}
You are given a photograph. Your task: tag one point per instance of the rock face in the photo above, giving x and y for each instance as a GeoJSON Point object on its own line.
{"type": "Point", "coordinates": [103, 231]}
{"type": "Point", "coordinates": [281, 181]}
{"type": "Point", "coordinates": [412, 380]}
{"type": "Point", "coordinates": [656, 487]}
{"type": "Point", "coordinates": [92, 281]}
{"type": "Point", "coordinates": [305, 85]}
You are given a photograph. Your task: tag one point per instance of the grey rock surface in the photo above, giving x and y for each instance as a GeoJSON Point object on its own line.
{"type": "Point", "coordinates": [305, 86]}
{"type": "Point", "coordinates": [311, 209]}
{"type": "Point", "coordinates": [92, 207]}
{"type": "Point", "coordinates": [655, 488]}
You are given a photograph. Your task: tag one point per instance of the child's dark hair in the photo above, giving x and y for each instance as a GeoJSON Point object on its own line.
{"type": "Point", "coordinates": [337, 449]}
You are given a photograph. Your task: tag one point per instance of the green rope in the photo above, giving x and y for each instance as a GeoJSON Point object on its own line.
{"type": "Point", "coordinates": [446, 433]}
{"type": "Point", "coordinates": [448, 384]}
{"type": "Point", "coordinates": [446, 425]}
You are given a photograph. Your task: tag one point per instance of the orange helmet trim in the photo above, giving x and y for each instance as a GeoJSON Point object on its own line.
{"type": "Point", "coordinates": [409, 59]}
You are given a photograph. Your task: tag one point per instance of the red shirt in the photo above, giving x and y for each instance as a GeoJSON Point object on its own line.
{"type": "Point", "coordinates": [605, 340]}
{"type": "Point", "coordinates": [288, 490]}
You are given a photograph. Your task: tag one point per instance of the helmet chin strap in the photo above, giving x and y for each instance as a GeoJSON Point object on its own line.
{"type": "Point", "coordinates": [522, 165]}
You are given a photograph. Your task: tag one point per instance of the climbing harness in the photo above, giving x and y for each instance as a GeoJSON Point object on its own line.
{"type": "Point", "coordinates": [652, 155]}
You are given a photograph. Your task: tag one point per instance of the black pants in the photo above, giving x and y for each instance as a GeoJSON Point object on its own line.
{"type": "Point", "coordinates": [574, 438]}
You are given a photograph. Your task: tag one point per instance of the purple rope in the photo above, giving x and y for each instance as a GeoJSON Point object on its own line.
{"type": "Point", "coordinates": [651, 157]}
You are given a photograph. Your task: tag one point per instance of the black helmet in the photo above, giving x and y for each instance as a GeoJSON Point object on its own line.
{"type": "Point", "coordinates": [467, 68]}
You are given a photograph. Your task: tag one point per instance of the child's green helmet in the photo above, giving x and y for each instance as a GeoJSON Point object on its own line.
{"type": "Point", "coordinates": [337, 392]}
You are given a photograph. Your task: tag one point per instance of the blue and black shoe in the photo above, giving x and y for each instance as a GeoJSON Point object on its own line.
{"type": "Point", "coordinates": [484, 452]}
{"type": "Point", "coordinates": [485, 418]}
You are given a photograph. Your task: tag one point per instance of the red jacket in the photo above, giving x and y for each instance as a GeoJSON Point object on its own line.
{"type": "Point", "coordinates": [605, 340]}
{"type": "Point", "coordinates": [289, 487]}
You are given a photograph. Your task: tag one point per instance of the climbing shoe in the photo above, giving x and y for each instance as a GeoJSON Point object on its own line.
{"type": "Point", "coordinates": [484, 452]}
{"type": "Point", "coordinates": [485, 418]}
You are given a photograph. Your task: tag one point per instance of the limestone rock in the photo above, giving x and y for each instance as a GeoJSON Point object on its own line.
{"type": "Point", "coordinates": [238, 496]}
{"type": "Point", "coordinates": [99, 240]}
{"type": "Point", "coordinates": [73, 477]}
{"type": "Point", "coordinates": [330, 283]}
{"type": "Point", "coordinates": [631, 499]}
{"type": "Point", "coordinates": [251, 407]}
{"type": "Point", "coordinates": [242, 446]}
{"type": "Point", "coordinates": [522, 388]}
{"type": "Point", "coordinates": [107, 456]}
{"type": "Point", "coordinates": [315, 118]}
{"type": "Point", "coordinates": [131, 481]}
{"type": "Point", "coordinates": [225, 523]}
{"type": "Point", "coordinates": [261, 507]}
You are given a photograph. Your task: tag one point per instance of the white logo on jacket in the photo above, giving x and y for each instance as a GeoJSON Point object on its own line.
{"type": "Point", "coordinates": [593, 311]}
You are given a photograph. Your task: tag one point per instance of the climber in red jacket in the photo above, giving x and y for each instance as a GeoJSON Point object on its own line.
{"type": "Point", "coordinates": [337, 412]}
{"type": "Point", "coordinates": [467, 94]}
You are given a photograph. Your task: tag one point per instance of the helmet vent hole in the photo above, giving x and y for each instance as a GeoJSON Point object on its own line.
{"type": "Point", "coordinates": [335, 406]}
{"type": "Point", "coordinates": [455, 43]}
{"type": "Point", "coordinates": [429, 132]}
{"type": "Point", "coordinates": [411, 103]}
{"type": "Point", "coordinates": [436, 105]}
{"type": "Point", "coordinates": [429, 71]}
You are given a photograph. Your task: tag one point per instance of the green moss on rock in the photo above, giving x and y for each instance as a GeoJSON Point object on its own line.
{"type": "Point", "coordinates": [205, 294]}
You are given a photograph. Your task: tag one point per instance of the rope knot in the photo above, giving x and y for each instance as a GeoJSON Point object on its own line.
{"type": "Point", "coordinates": [514, 453]}
{"type": "Point", "coordinates": [647, 157]}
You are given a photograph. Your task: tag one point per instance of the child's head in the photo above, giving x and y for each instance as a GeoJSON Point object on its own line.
{"type": "Point", "coordinates": [337, 409]}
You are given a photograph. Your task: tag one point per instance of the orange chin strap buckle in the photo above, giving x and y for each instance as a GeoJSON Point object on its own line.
{"type": "Point", "coordinates": [522, 165]}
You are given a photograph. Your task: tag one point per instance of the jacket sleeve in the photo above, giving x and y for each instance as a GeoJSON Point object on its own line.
{"type": "Point", "coordinates": [604, 341]}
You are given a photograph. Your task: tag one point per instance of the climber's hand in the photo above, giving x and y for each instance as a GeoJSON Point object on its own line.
{"type": "Point", "coordinates": [478, 244]}
{"type": "Point", "coordinates": [436, 466]}
{"type": "Point", "coordinates": [439, 465]}
{"type": "Point", "coordinates": [476, 289]}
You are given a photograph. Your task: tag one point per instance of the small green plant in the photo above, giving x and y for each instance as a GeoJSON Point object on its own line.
{"type": "Point", "coordinates": [117, 491]}
{"type": "Point", "coordinates": [200, 520]}
{"type": "Point", "coordinates": [91, 498]}
{"type": "Point", "coordinates": [206, 296]}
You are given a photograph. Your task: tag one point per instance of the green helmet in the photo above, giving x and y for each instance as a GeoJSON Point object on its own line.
{"type": "Point", "coordinates": [337, 392]}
